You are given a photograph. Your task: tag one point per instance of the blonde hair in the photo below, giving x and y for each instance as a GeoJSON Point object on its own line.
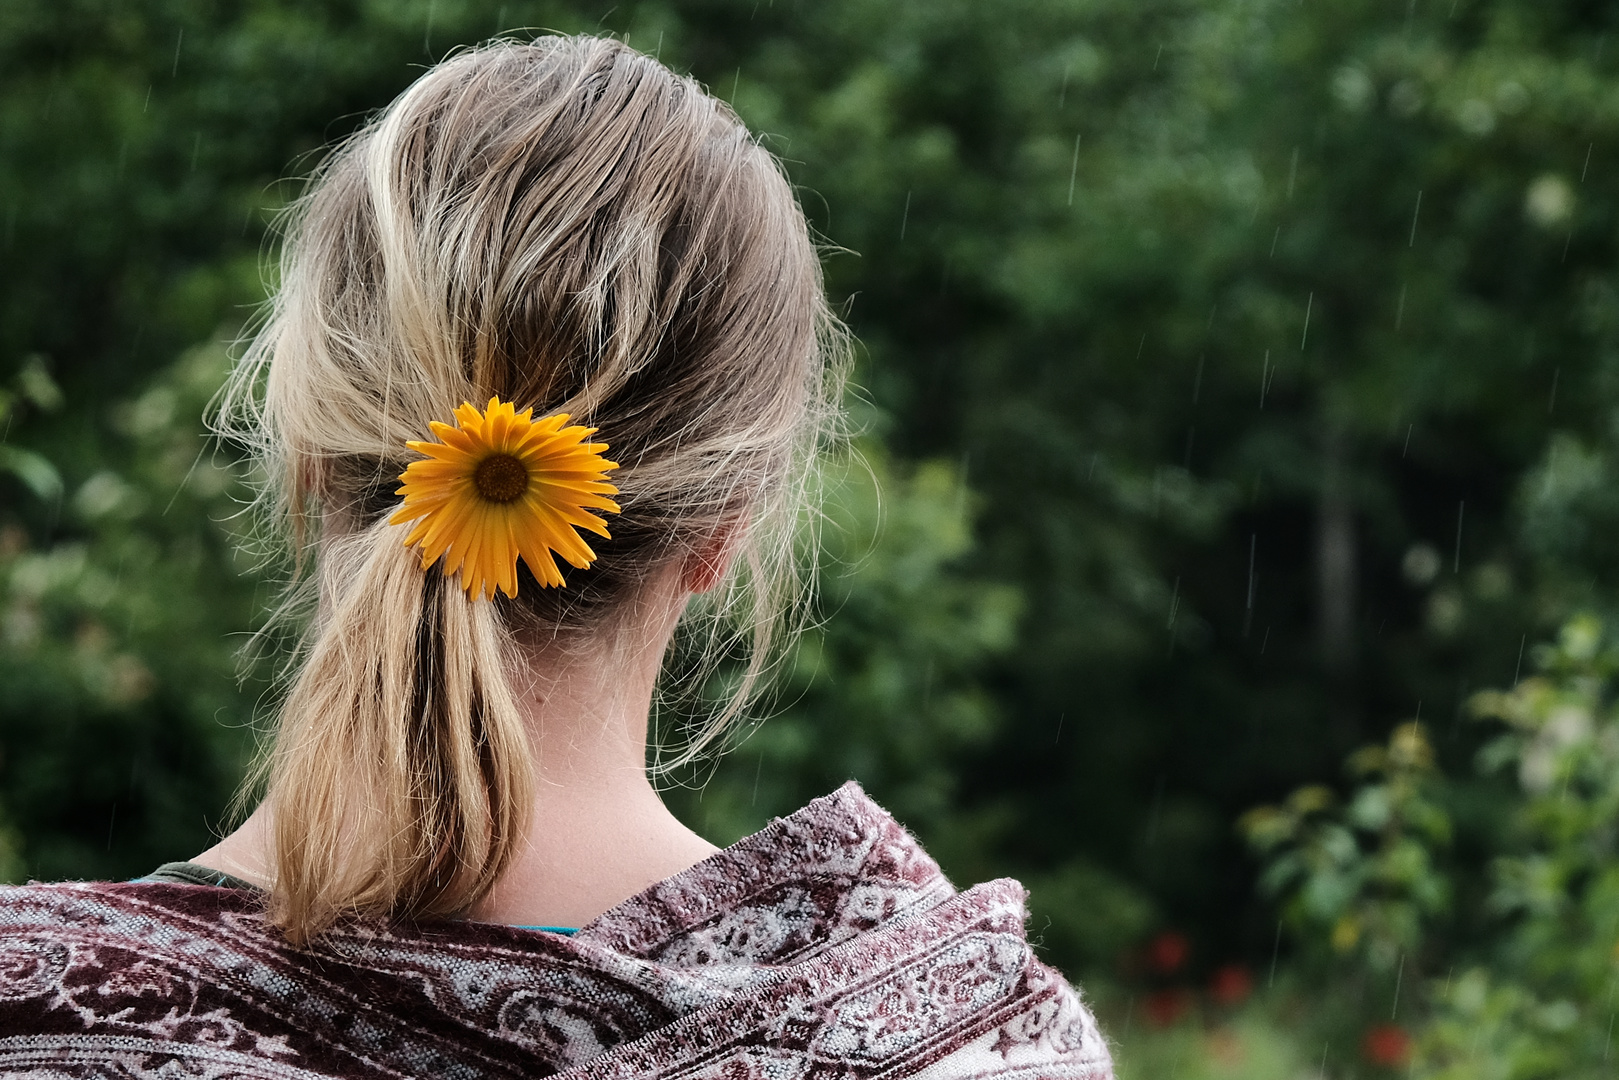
{"type": "Point", "coordinates": [568, 225]}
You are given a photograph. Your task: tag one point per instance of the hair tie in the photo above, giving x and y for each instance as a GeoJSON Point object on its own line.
{"type": "Point", "coordinates": [501, 485]}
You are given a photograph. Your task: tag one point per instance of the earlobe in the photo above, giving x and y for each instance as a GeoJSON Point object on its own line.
{"type": "Point", "coordinates": [700, 575]}
{"type": "Point", "coordinates": [707, 566]}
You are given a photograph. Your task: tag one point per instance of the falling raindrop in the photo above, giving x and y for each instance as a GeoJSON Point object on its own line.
{"type": "Point", "coordinates": [1305, 336]}
{"type": "Point", "coordinates": [1456, 566]}
{"type": "Point", "coordinates": [1248, 614]}
{"type": "Point", "coordinates": [1073, 169]}
{"type": "Point", "coordinates": [1292, 174]}
{"type": "Point", "coordinates": [1412, 242]}
{"type": "Point", "coordinates": [178, 41]}
{"type": "Point", "coordinates": [904, 217]}
{"type": "Point", "coordinates": [1399, 977]}
{"type": "Point", "coordinates": [1587, 167]}
{"type": "Point", "coordinates": [1607, 1047]}
{"type": "Point", "coordinates": [1174, 611]}
{"type": "Point", "coordinates": [1275, 950]}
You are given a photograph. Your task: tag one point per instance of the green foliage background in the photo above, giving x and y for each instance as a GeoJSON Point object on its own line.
{"type": "Point", "coordinates": [1239, 385]}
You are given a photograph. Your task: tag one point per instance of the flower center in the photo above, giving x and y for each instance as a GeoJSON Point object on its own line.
{"type": "Point", "coordinates": [501, 478]}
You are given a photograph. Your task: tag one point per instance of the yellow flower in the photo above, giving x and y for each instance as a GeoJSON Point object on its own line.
{"type": "Point", "coordinates": [501, 485]}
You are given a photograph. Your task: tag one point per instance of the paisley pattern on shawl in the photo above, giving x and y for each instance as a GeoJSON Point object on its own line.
{"type": "Point", "coordinates": [826, 945]}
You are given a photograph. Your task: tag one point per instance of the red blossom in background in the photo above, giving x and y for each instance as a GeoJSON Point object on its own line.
{"type": "Point", "coordinates": [1167, 952]}
{"type": "Point", "coordinates": [1387, 1045]}
{"type": "Point", "coordinates": [1231, 985]}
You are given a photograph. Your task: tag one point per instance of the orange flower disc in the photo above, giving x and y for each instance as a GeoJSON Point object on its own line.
{"type": "Point", "coordinates": [500, 486]}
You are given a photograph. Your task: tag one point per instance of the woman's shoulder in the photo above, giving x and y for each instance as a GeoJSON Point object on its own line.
{"type": "Point", "coordinates": [837, 916]}
{"type": "Point", "coordinates": [165, 894]}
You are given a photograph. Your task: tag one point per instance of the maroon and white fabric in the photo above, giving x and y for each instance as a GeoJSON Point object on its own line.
{"type": "Point", "coordinates": [827, 945]}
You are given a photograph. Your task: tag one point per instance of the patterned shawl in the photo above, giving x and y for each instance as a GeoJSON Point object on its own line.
{"type": "Point", "coordinates": [827, 945]}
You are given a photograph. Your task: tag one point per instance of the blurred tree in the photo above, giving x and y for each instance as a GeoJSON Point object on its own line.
{"type": "Point", "coordinates": [1527, 990]}
{"type": "Point", "coordinates": [123, 721]}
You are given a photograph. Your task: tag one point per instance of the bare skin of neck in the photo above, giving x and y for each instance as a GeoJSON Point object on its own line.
{"type": "Point", "coordinates": [599, 833]}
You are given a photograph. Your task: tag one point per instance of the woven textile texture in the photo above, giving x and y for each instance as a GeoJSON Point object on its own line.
{"type": "Point", "coordinates": [826, 945]}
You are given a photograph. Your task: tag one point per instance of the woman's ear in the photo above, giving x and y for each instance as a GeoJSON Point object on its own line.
{"type": "Point", "coordinates": [707, 566]}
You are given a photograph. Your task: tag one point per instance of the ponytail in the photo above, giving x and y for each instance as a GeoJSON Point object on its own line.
{"type": "Point", "coordinates": [569, 226]}
{"type": "Point", "coordinates": [400, 777]}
